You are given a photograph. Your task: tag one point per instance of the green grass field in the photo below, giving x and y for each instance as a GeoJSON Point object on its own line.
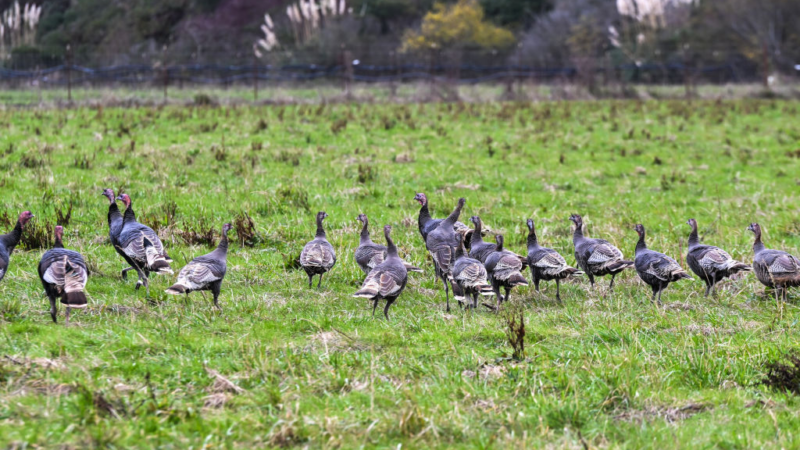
{"type": "Point", "coordinates": [284, 365]}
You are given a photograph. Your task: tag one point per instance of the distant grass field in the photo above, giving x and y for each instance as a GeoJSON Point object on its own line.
{"type": "Point", "coordinates": [306, 367]}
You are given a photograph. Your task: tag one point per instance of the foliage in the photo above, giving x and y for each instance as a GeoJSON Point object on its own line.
{"type": "Point", "coordinates": [515, 13]}
{"type": "Point", "coordinates": [459, 25]}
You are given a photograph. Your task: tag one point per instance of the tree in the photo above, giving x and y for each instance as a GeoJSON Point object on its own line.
{"type": "Point", "coordinates": [454, 27]}
{"type": "Point", "coordinates": [515, 13]}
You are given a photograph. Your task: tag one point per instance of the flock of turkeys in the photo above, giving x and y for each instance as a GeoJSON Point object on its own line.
{"type": "Point", "coordinates": [463, 262]}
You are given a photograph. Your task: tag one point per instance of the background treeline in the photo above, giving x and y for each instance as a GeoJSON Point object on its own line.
{"type": "Point", "coordinates": [545, 33]}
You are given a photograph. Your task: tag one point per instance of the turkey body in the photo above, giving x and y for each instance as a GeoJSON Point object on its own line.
{"type": "Point", "coordinates": [63, 274]}
{"type": "Point", "coordinates": [711, 264]}
{"type": "Point", "coordinates": [655, 268]}
{"type": "Point", "coordinates": [387, 280]}
{"type": "Point", "coordinates": [205, 273]}
{"type": "Point", "coordinates": [318, 255]}
{"type": "Point", "coordinates": [547, 264]}
{"type": "Point", "coordinates": [597, 257]}
{"type": "Point", "coordinates": [774, 268]}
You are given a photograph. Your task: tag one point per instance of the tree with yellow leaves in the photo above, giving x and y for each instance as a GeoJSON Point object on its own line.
{"type": "Point", "coordinates": [456, 26]}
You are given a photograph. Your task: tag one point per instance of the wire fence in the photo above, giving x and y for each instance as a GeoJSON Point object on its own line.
{"type": "Point", "coordinates": [348, 67]}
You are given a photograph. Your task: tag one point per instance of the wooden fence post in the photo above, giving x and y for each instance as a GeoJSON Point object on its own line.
{"type": "Point", "coordinates": [69, 73]}
{"type": "Point", "coordinates": [255, 78]}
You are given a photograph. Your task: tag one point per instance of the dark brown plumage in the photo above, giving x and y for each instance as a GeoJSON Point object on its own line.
{"type": "Point", "coordinates": [470, 274]}
{"type": "Point", "coordinates": [9, 241]}
{"type": "Point", "coordinates": [205, 273]}
{"type": "Point", "coordinates": [141, 247]}
{"type": "Point", "coordinates": [441, 244]}
{"type": "Point", "coordinates": [774, 268]}
{"type": "Point", "coordinates": [503, 268]}
{"type": "Point", "coordinates": [63, 274]}
{"type": "Point", "coordinates": [369, 254]}
{"type": "Point", "coordinates": [546, 264]}
{"type": "Point", "coordinates": [711, 264]}
{"type": "Point", "coordinates": [654, 268]}
{"type": "Point", "coordinates": [597, 257]}
{"type": "Point", "coordinates": [387, 280]}
{"type": "Point", "coordinates": [318, 256]}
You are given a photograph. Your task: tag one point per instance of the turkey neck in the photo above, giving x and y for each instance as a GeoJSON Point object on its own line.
{"type": "Point", "coordinates": [757, 244]}
{"type": "Point", "coordinates": [453, 217]}
{"type": "Point", "coordinates": [533, 242]}
{"type": "Point", "coordinates": [476, 237]}
{"type": "Point", "coordinates": [114, 216]}
{"type": "Point", "coordinates": [58, 243]}
{"type": "Point", "coordinates": [130, 216]}
{"type": "Point", "coordinates": [578, 234]}
{"type": "Point", "coordinates": [365, 233]}
{"type": "Point", "coordinates": [12, 239]}
{"type": "Point", "coordinates": [320, 230]}
{"type": "Point", "coordinates": [640, 245]}
{"type": "Point", "coordinates": [460, 250]}
{"type": "Point", "coordinates": [694, 241]}
{"type": "Point", "coordinates": [424, 214]}
{"type": "Point", "coordinates": [391, 249]}
{"type": "Point", "coordinates": [222, 248]}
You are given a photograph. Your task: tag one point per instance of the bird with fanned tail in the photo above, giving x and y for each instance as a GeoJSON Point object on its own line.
{"type": "Point", "coordinates": [597, 257]}
{"type": "Point", "coordinates": [318, 255]}
{"type": "Point", "coordinates": [63, 274]}
{"type": "Point", "coordinates": [141, 247]}
{"type": "Point", "coordinates": [774, 268]}
{"type": "Point", "coordinates": [387, 280]}
{"type": "Point", "coordinates": [9, 241]}
{"type": "Point", "coordinates": [547, 264]}
{"type": "Point", "coordinates": [205, 273]}
{"type": "Point", "coordinates": [711, 264]}
{"type": "Point", "coordinates": [368, 254]}
{"type": "Point", "coordinates": [655, 268]}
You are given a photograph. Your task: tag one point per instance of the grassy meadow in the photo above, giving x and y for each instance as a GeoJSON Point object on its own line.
{"type": "Point", "coordinates": [287, 366]}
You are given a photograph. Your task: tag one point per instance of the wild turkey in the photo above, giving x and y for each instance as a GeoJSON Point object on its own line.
{"type": "Point", "coordinates": [774, 268]}
{"type": "Point", "coordinates": [547, 264]}
{"type": "Point", "coordinates": [205, 273]}
{"type": "Point", "coordinates": [387, 280]}
{"type": "Point", "coordinates": [470, 274]}
{"type": "Point", "coordinates": [710, 263]}
{"type": "Point", "coordinates": [428, 224]}
{"type": "Point", "coordinates": [141, 247]}
{"type": "Point", "coordinates": [654, 268]}
{"type": "Point", "coordinates": [504, 269]}
{"type": "Point", "coordinates": [441, 244]}
{"type": "Point", "coordinates": [318, 255]}
{"type": "Point", "coordinates": [63, 274]}
{"type": "Point", "coordinates": [369, 254]}
{"type": "Point", "coordinates": [479, 249]}
{"type": "Point", "coordinates": [597, 257]}
{"type": "Point", "coordinates": [115, 226]}
{"type": "Point", "coordinates": [10, 240]}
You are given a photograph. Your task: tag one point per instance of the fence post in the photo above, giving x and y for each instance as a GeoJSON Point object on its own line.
{"type": "Point", "coordinates": [687, 81]}
{"type": "Point", "coordinates": [765, 64]}
{"type": "Point", "coordinates": [392, 81]}
{"type": "Point", "coordinates": [69, 73]}
{"type": "Point", "coordinates": [347, 58]}
{"type": "Point", "coordinates": [255, 78]}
